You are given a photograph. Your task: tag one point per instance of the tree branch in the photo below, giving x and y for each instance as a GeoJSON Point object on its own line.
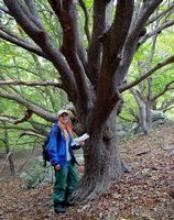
{"type": "Point", "coordinates": [166, 88]}
{"type": "Point", "coordinates": [133, 37]}
{"type": "Point", "coordinates": [147, 74]}
{"type": "Point", "coordinates": [86, 28]}
{"type": "Point", "coordinates": [4, 10]}
{"type": "Point", "coordinates": [71, 46]}
{"type": "Point", "coordinates": [154, 18]}
{"type": "Point", "coordinates": [168, 109]}
{"type": "Point", "coordinates": [25, 130]}
{"type": "Point", "coordinates": [29, 105]}
{"type": "Point", "coordinates": [38, 127]}
{"type": "Point", "coordinates": [31, 7]}
{"type": "Point", "coordinates": [42, 39]}
{"type": "Point", "coordinates": [10, 88]}
{"type": "Point", "coordinates": [166, 104]}
{"type": "Point", "coordinates": [66, 12]}
{"type": "Point", "coordinates": [112, 47]}
{"type": "Point", "coordinates": [26, 117]}
{"type": "Point", "coordinates": [21, 43]}
{"type": "Point", "coordinates": [15, 127]}
{"type": "Point", "coordinates": [18, 67]}
{"type": "Point", "coordinates": [8, 119]}
{"type": "Point", "coordinates": [120, 29]}
{"type": "Point", "coordinates": [33, 13]}
{"type": "Point", "coordinates": [47, 91]}
{"type": "Point", "coordinates": [94, 50]}
{"type": "Point", "coordinates": [30, 84]}
{"type": "Point", "coordinates": [157, 31]}
{"type": "Point", "coordinates": [147, 9]}
{"type": "Point", "coordinates": [30, 133]}
{"type": "Point", "coordinates": [18, 128]}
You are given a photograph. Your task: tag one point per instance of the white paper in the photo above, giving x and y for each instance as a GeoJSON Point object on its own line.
{"type": "Point", "coordinates": [81, 138]}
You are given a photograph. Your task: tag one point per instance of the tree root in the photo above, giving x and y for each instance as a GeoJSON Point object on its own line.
{"type": "Point", "coordinates": [88, 191]}
{"type": "Point", "coordinates": [125, 167]}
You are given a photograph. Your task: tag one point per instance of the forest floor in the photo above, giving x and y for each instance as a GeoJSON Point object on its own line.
{"type": "Point", "coordinates": [147, 193]}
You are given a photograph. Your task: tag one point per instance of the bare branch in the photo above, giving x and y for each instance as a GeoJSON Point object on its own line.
{"type": "Point", "coordinates": [29, 105]}
{"type": "Point", "coordinates": [4, 10]}
{"type": "Point", "coordinates": [166, 88]}
{"type": "Point", "coordinates": [26, 117]}
{"type": "Point", "coordinates": [7, 119]}
{"type": "Point", "coordinates": [166, 104]}
{"type": "Point", "coordinates": [147, 9]}
{"type": "Point", "coordinates": [21, 43]}
{"type": "Point", "coordinates": [120, 27]}
{"type": "Point", "coordinates": [18, 128]}
{"type": "Point", "coordinates": [30, 133]}
{"type": "Point", "coordinates": [42, 39]}
{"type": "Point", "coordinates": [30, 84]}
{"type": "Point", "coordinates": [71, 45]}
{"type": "Point", "coordinates": [23, 17]}
{"type": "Point", "coordinates": [66, 12]}
{"type": "Point", "coordinates": [31, 7]}
{"type": "Point", "coordinates": [32, 13]}
{"type": "Point", "coordinates": [38, 127]}
{"type": "Point", "coordinates": [157, 31]}
{"type": "Point", "coordinates": [127, 119]}
{"type": "Point", "coordinates": [132, 40]}
{"type": "Point", "coordinates": [12, 127]}
{"type": "Point", "coordinates": [18, 67]}
{"type": "Point", "coordinates": [154, 18]}
{"type": "Point", "coordinates": [9, 87]}
{"type": "Point", "coordinates": [168, 109]}
{"type": "Point", "coordinates": [94, 51]}
{"type": "Point", "coordinates": [147, 74]}
{"type": "Point", "coordinates": [83, 6]}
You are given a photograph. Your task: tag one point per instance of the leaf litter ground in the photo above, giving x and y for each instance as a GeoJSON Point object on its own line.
{"type": "Point", "coordinates": [147, 193]}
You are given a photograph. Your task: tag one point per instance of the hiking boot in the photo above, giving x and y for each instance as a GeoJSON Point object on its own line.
{"type": "Point", "coordinates": [59, 208]}
{"type": "Point", "coordinates": [67, 204]}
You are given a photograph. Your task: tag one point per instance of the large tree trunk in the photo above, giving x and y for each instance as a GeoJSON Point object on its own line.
{"type": "Point", "coordinates": [103, 164]}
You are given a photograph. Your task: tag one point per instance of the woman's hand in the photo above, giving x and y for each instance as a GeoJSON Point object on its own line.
{"type": "Point", "coordinates": [81, 143]}
{"type": "Point", "coordinates": [57, 167]}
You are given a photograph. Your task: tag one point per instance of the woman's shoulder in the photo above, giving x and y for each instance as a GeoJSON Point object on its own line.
{"type": "Point", "coordinates": [55, 128]}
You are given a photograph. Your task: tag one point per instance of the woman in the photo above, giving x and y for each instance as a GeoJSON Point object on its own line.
{"type": "Point", "coordinates": [60, 153]}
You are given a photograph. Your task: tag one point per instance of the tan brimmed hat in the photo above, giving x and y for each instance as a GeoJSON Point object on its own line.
{"type": "Point", "coordinates": [62, 111]}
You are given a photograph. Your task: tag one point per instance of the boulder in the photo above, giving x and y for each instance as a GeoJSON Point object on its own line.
{"type": "Point", "coordinates": [37, 175]}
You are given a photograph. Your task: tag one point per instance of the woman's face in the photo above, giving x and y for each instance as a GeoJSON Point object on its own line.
{"type": "Point", "coordinates": [64, 118]}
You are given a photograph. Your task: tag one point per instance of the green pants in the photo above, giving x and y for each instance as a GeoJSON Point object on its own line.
{"type": "Point", "coordinates": [66, 180]}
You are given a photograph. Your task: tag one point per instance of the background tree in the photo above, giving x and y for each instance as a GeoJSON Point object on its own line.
{"type": "Point", "coordinates": [147, 94]}
{"type": "Point", "coordinates": [92, 71]}
{"type": "Point", "coordinates": [9, 156]}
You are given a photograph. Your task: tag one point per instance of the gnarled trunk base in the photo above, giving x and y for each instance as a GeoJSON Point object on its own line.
{"type": "Point", "coordinates": [102, 165]}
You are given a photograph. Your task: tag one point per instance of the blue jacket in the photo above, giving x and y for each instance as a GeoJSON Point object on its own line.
{"type": "Point", "coordinates": [56, 147]}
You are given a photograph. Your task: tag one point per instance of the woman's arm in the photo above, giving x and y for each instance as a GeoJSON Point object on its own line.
{"type": "Point", "coordinates": [52, 147]}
